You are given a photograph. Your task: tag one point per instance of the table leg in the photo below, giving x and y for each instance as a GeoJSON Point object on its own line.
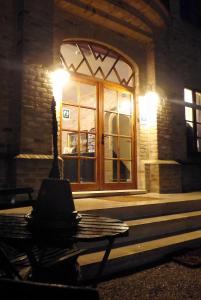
{"type": "Point", "coordinates": [55, 265]}
{"type": "Point", "coordinates": [32, 259]}
{"type": "Point", "coordinates": [104, 261]}
{"type": "Point", "coordinates": [9, 267]}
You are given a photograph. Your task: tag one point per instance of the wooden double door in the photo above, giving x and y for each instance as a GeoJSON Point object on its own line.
{"type": "Point", "coordinates": [97, 136]}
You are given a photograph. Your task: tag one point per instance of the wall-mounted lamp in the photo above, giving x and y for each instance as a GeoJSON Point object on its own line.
{"type": "Point", "coordinates": [59, 78]}
{"type": "Point", "coordinates": [152, 97]}
{"type": "Point", "coordinates": [148, 108]}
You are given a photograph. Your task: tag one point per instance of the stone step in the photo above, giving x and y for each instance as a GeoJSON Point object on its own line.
{"type": "Point", "coordinates": [150, 238]}
{"type": "Point", "coordinates": [157, 227]}
{"type": "Point", "coordinates": [137, 255]}
{"type": "Point", "coordinates": [142, 230]}
{"type": "Point", "coordinates": [88, 194]}
{"type": "Point", "coordinates": [141, 209]}
{"type": "Point", "coordinates": [152, 222]}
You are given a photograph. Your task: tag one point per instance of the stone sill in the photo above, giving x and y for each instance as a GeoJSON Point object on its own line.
{"type": "Point", "coordinates": [35, 156]}
{"type": "Point", "coordinates": [160, 162]}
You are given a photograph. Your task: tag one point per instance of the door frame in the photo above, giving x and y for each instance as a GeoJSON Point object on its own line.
{"type": "Point", "coordinates": [100, 184]}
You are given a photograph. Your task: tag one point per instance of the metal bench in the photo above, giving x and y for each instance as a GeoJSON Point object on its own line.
{"type": "Point", "coordinates": [44, 265]}
{"type": "Point", "coordinates": [9, 197]}
{"type": "Point", "coordinates": [33, 290]}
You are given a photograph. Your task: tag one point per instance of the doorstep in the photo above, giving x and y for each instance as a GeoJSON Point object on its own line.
{"type": "Point", "coordinates": [89, 194]}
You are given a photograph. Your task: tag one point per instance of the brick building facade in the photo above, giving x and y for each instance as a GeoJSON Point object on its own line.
{"type": "Point", "coordinates": [160, 40]}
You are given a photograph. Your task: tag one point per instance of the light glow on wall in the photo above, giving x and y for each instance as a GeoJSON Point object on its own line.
{"type": "Point", "coordinates": [148, 108]}
{"type": "Point", "coordinates": [59, 78]}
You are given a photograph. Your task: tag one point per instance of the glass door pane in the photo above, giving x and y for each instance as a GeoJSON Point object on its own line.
{"type": "Point", "coordinates": [89, 115]}
{"type": "Point", "coordinates": [117, 134]}
{"type": "Point", "coordinates": [79, 132]}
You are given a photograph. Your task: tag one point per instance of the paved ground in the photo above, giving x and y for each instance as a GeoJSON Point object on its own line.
{"type": "Point", "coordinates": [168, 281]}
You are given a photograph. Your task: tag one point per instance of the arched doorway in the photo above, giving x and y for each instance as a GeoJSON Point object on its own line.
{"type": "Point", "coordinates": [97, 118]}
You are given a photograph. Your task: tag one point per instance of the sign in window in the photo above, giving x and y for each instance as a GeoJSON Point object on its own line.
{"type": "Point", "coordinates": [66, 113]}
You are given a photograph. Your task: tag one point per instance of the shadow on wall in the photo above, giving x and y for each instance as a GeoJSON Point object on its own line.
{"type": "Point", "coordinates": [191, 177]}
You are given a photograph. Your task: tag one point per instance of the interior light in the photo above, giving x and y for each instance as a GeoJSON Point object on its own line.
{"type": "Point", "coordinates": [188, 97]}
{"type": "Point", "coordinates": [125, 107]}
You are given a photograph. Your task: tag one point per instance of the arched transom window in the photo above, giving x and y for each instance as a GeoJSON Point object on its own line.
{"type": "Point", "coordinates": [96, 61]}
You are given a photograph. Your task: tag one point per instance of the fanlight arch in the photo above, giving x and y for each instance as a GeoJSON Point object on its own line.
{"type": "Point", "coordinates": [97, 61]}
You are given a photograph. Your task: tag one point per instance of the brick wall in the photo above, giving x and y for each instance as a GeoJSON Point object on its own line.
{"type": "Point", "coordinates": [36, 94]}
{"type": "Point", "coordinates": [191, 174]}
{"type": "Point", "coordinates": [36, 86]}
{"type": "Point", "coordinates": [9, 112]}
{"type": "Point", "coordinates": [36, 111]}
{"type": "Point", "coordinates": [32, 169]}
{"type": "Point", "coordinates": [176, 68]}
{"type": "Point", "coordinates": [163, 177]}
{"type": "Point", "coordinates": [30, 38]}
{"type": "Point", "coordinates": [25, 89]}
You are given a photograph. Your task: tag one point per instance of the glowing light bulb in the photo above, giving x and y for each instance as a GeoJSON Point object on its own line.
{"type": "Point", "coordinates": [148, 108]}
{"type": "Point", "coordinates": [59, 78]}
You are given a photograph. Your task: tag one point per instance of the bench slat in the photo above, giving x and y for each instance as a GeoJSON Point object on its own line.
{"type": "Point", "coordinates": [8, 199]}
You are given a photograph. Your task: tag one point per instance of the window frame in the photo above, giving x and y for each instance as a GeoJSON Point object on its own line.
{"type": "Point", "coordinates": [194, 151]}
{"type": "Point", "coordinates": [87, 48]}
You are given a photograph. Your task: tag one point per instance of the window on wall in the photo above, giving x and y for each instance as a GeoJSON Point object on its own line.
{"type": "Point", "coordinates": [192, 100]}
{"type": "Point", "coordinates": [191, 11]}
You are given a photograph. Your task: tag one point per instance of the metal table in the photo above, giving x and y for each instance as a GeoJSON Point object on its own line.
{"type": "Point", "coordinates": [15, 230]}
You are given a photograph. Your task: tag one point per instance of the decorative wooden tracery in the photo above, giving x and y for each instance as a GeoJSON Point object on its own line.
{"type": "Point", "coordinates": [97, 61]}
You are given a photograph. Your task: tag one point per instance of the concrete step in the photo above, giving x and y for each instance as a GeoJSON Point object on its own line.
{"type": "Point", "coordinates": [155, 227]}
{"type": "Point", "coordinates": [137, 255]}
{"type": "Point", "coordinates": [141, 209]}
{"type": "Point", "coordinates": [148, 228]}
{"type": "Point", "coordinates": [88, 194]}
{"type": "Point", "coordinates": [148, 219]}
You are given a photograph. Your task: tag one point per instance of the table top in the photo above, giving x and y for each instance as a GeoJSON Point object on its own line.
{"type": "Point", "coordinates": [89, 228]}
